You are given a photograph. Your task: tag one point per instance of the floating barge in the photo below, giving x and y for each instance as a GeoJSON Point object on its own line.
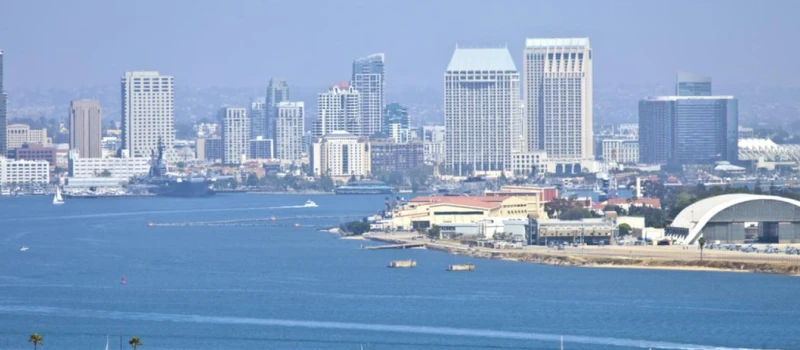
{"type": "Point", "coordinates": [402, 263]}
{"type": "Point", "coordinates": [461, 267]}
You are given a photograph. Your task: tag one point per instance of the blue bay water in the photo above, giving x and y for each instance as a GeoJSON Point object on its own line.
{"type": "Point", "coordinates": [285, 287]}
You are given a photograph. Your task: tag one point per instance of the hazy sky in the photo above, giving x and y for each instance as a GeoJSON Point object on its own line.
{"type": "Point", "coordinates": [203, 43]}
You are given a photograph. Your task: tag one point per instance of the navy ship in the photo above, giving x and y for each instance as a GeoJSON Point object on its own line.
{"type": "Point", "coordinates": [364, 187]}
{"type": "Point", "coordinates": [159, 183]}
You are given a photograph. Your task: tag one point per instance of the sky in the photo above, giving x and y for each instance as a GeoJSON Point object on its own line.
{"type": "Point", "coordinates": [242, 43]}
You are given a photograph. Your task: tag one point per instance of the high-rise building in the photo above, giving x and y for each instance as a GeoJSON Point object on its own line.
{"type": "Point", "coordinates": [3, 112]}
{"type": "Point", "coordinates": [370, 81]}
{"type": "Point", "coordinates": [396, 123]}
{"type": "Point", "coordinates": [277, 92]}
{"type": "Point", "coordinates": [21, 134]}
{"type": "Point", "coordinates": [148, 113]}
{"type": "Point", "coordinates": [258, 118]}
{"type": "Point", "coordinates": [289, 128]}
{"type": "Point", "coordinates": [86, 128]}
{"type": "Point", "coordinates": [339, 109]}
{"type": "Point", "coordinates": [688, 129]}
{"type": "Point", "coordinates": [340, 155]}
{"type": "Point", "coordinates": [481, 102]}
{"type": "Point", "coordinates": [261, 148]}
{"type": "Point", "coordinates": [434, 144]}
{"type": "Point", "coordinates": [621, 151]}
{"type": "Point", "coordinates": [689, 84]}
{"type": "Point", "coordinates": [558, 97]}
{"type": "Point", "coordinates": [235, 134]}
{"type": "Point", "coordinates": [389, 156]}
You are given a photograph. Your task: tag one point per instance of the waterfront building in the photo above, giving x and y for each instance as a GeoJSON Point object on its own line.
{"type": "Point", "coordinates": [339, 109]}
{"type": "Point", "coordinates": [21, 134]}
{"type": "Point", "coordinates": [689, 84]}
{"type": "Point", "coordinates": [86, 128]}
{"type": "Point", "coordinates": [592, 231]}
{"type": "Point", "coordinates": [688, 129]}
{"type": "Point", "coordinates": [235, 134]}
{"type": "Point", "coordinates": [531, 164]}
{"type": "Point", "coordinates": [424, 212]}
{"type": "Point", "coordinates": [388, 156]}
{"type": "Point", "coordinates": [370, 80]}
{"type": "Point", "coordinates": [558, 98]}
{"type": "Point", "coordinates": [213, 149]}
{"type": "Point", "coordinates": [277, 92]}
{"type": "Point", "coordinates": [258, 118]}
{"type": "Point", "coordinates": [289, 128]}
{"type": "Point", "coordinates": [481, 104]}
{"type": "Point", "coordinates": [148, 114]}
{"type": "Point", "coordinates": [341, 155]}
{"type": "Point", "coordinates": [621, 151]}
{"type": "Point", "coordinates": [261, 148]}
{"type": "Point", "coordinates": [35, 152]}
{"type": "Point", "coordinates": [115, 167]}
{"type": "Point", "coordinates": [396, 123]}
{"type": "Point", "coordinates": [3, 112]}
{"type": "Point", "coordinates": [16, 171]}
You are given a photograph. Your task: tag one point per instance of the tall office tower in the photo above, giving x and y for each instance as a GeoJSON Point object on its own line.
{"type": "Point", "coordinates": [3, 104]}
{"type": "Point", "coordinates": [688, 129]}
{"type": "Point", "coordinates": [258, 118]}
{"type": "Point", "coordinates": [396, 122]}
{"type": "Point", "coordinates": [689, 84]}
{"type": "Point", "coordinates": [558, 97]}
{"type": "Point", "coordinates": [86, 128]}
{"type": "Point", "coordinates": [235, 134]}
{"type": "Point", "coordinates": [148, 114]}
{"type": "Point", "coordinates": [481, 100]}
{"type": "Point", "coordinates": [339, 109]}
{"type": "Point", "coordinates": [370, 81]}
{"type": "Point", "coordinates": [289, 130]}
{"type": "Point", "coordinates": [277, 92]}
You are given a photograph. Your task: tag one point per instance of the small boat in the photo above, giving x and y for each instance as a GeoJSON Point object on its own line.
{"type": "Point", "coordinates": [296, 225]}
{"type": "Point", "coordinates": [24, 248]}
{"type": "Point", "coordinates": [57, 199]}
{"type": "Point", "coordinates": [123, 281]}
{"type": "Point", "coordinates": [310, 204]}
{"type": "Point", "coordinates": [272, 218]}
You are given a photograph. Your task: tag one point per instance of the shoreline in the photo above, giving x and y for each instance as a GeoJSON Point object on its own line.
{"type": "Point", "coordinates": [565, 258]}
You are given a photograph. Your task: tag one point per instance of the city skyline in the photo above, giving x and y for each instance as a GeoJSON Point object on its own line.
{"type": "Point", "coordinates": [651, 53]}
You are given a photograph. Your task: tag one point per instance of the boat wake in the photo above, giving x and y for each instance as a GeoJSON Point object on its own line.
{"type": "Point", "coordinates": [137, 213]}
{"type": "Point", "coordinates": [409, 329]}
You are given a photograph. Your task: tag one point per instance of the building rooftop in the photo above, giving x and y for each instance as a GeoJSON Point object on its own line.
{"type": "Point", "coordinates": [686, 98]}
{"type": "Point", "coordinates": [557, 42]}
{"type": "Point", "coordinates": [686, 77]}
{"type": "Point", "coordinates": [481, 59]}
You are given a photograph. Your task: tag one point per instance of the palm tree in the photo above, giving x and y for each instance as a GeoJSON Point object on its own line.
{"type": "Point", "coordinates": [702, 243]}
{"type": "Point", "coordinates": [36, 339]}
{"type": "Point", "coordinates": [135, 342]}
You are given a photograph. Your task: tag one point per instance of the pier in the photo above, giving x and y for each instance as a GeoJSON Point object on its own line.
{"type": "Point", "coordinates": [461, 267]}
{"type": "Point", "coordinates": [396, 246]}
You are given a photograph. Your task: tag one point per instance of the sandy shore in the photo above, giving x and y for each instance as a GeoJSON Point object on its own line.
{"type": "Point", "coordinates": [661, 258]}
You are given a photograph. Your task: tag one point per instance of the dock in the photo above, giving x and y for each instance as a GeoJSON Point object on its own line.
{"type": "Point", "coordinates": [396, 246]}
{"type": "Point", "coordinates": [461, 267]}
{"type": "Point", "coordinates": [402, 263]}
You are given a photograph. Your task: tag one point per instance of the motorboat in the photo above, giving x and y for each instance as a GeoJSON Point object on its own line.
{"type": "Point", "coordinates": [24, 248]}
{"type": "Point", "coordinates": [310, 204]}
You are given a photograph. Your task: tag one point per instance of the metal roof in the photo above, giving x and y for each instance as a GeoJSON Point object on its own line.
{"type": "Point", "coordinates": [481, 59]}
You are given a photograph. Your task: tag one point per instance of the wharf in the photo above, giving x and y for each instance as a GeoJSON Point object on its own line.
{"type": "Point", "coordinates": [396, 246]}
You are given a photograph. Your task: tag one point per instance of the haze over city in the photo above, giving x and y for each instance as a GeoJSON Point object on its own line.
{"type": "Point", "coordinates": [69, 44]}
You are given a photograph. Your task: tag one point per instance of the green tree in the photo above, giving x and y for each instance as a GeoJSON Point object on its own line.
{"type": "Point", "coordinates": [135, 342]}
{"type": "Point", "coordinates": [434, 232]}
{"type": "Point", "coordinates": [702, 243]}
{"type": "Point", "coordinates": [615, 208]}
{"type": "Point", "coordinates": [557, 206]}
{"type": "Point", "coordinates": [624, 229]}
{"type": "Point", "coordinates": [355, 228]}
{"type": "Point", "coordinates": [576, 213]}
{"type": "Point", "coordinates": [35, 339]}
{"type": "Point", "coordinates": [252, 180]}
{"type": "Point", "coordinates": [652, 217]}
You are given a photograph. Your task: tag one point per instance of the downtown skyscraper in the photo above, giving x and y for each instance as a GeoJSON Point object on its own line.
{"type": "Point", "coordinates": [148, 113]}
{"type": "Point", "coordinates": [86, 128]}
{"type": "Point", "coordinates": [370, 81]}
{"type": "Point", "coordinates": [3, 112]}
{"type": "Point", "coordinates": [558, 98]}
{"type": "Point", "coordinates": [339, 109]}
{"type": "Point", "coordinates": [277, 92]}
{"type": "Point", "coordinates": [235, 134]}
{"type": "Point", "coordinates": [289, 129]}
{"type": "Point", "coordinates": [481, 101]}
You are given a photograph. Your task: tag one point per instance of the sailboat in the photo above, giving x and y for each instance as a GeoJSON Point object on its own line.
{"type": "Point", "coordinates": [123, 281]}
{"type": "Point", "coordinates": [57, 199]}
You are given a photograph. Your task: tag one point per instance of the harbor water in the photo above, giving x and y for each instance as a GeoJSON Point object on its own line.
{"type": "Point", "coordinates": [251, 282]}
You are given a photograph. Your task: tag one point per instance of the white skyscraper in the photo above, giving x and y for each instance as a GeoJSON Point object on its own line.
{"type": "Point", "coordinates": [369, 80]}
{"type": "Point", "coordinates": [558, 97]}
{"type": "Point", "coordinates": [235, 134]}
{"type": "Point", "coordinates": [481, 102]}
{"type": "Point", "coordinates": [148, 113]}
{"type": "Point", "coordinates": [289, 130]}
{"type": "Point", "coordinates": [3, 102]}
{"type": "Point", "coordinates": [339, 109]}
